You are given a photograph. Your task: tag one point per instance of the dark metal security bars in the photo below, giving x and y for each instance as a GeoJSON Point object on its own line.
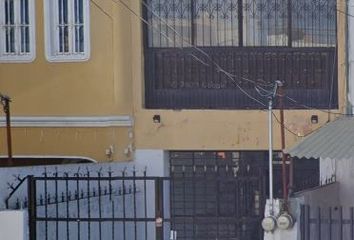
{"type": "Point", "coordinates": [262, 40]}
{"type": "Point", "coordinates": [291, 23]}
{"type": "Point", "coordinates": [216, 196]}
{"type": "Point", "coordinates": [97, 207]}
{"type": "Point", "coordinates": [326, 223]}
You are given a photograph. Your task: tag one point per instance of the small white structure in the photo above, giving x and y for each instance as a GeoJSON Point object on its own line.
{"type": "Point", "coordinates": [278, 234]}
{"type": "Point", "coordinates": [13, 225]}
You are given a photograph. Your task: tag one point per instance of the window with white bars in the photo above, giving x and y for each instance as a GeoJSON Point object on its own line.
{"type": "Point", "coordinates": [67, 30]}
{"type": "Point", "coordinates": [17, 36]}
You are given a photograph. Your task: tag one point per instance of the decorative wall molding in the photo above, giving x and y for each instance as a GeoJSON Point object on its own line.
{"type": "Point", "coordinates": [49, 157]}
{"type": "Point", "coordinates": [97, 121]}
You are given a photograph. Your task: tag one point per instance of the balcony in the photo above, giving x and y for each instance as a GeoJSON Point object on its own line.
{"type": "Point", "coordinates": [183, 78]}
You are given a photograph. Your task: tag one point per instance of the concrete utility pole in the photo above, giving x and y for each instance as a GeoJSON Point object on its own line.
{"type": "Point", "coordinates": [270, 151]}
{"type": "Point", "coordinates": [270, 221]}
{"type": "Point", "coordinates": [5, 102]}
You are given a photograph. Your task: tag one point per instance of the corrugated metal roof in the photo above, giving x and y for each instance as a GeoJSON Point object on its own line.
{"type": "Point", "coordinates": [334, 140]}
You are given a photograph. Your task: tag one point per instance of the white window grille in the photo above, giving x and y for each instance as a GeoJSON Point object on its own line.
{"type": "Point", "coordinates": [17, 35]}
{"type": "Point", "coordinates": [67, 30]}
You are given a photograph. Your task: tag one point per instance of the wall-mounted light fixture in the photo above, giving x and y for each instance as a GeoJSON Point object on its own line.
{"type": "Point", "coordinates": [156, 119]}
{"type": "Point", "coordinates": [314, 119]}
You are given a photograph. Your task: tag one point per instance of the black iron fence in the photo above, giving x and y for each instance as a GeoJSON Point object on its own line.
{"type": "Point", "coordinates": [331, 223]}
{"type": "Point", "coordinates": [260, 40]}
{"type": "Point", "coordinates": [95, 206]}
{"type": "Point", "coordinates": [215, 207]}
{"type": "Point", "coordinates": [175, 79]}
{"type": "Point", "coordinates": [196, 202]}
{"type": "Point", "coordinates": [217, 195]}
{"type": "Point", "coordinates": [298, 23]}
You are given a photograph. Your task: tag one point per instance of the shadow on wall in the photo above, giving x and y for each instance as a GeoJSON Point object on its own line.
{"type": "Point", "coordinates": [323, 196]}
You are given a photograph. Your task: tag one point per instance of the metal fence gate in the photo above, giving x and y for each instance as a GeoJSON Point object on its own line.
{"type": "Point", "coordinates": [326, 223]}
{"type": "Point", "coordinates": [209, 195]}
{"type": "Point", "coordinates": [216, 195]}
{"type": "Point", "coordinates": [99, 207]}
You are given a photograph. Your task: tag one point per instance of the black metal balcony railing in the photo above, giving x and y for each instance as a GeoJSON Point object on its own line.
{"type": "Point", "coordinates": [291, 40]}
{"type": "Point", "coordinates": [175, 79]}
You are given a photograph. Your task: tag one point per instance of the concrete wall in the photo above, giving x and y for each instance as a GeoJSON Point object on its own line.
{"type": "Point", "coordinates": [111, 83]}
{"type": "Point", "coordinates": [13, 225]}
{"type": "Point", "coordinates": [342, 171]}
{"type": "Point", "coordinates": [290, 234]}
{"type": "Point", "coordinates": [82, 142]}
{"type": "Point", "coordinates": [99, 87]}
{"type": "Point", "coordinates": [325, 196]}
{"type": "Point", "coordinates": [220, 129]}
{"type": "Point", "coordinates": [345, 178]}
{"type": "Point", "coordinates": [154, 161]}
{"type": "Point", "coordinates": [327, 170]}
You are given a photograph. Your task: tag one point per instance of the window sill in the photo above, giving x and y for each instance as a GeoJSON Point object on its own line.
{"type": "Point", "coordinates": [68, 58]}
{"type": "Point", "coordinates": [18, 58]}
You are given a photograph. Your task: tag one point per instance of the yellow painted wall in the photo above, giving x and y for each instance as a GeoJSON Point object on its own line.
{"type": "Point", "coordinates": [99, 87]}
{"type": "Point", "coordinates": [79, 142]}
{"type": "Point", "coordinates": [112, 83]}
{"type": "Point", "coordinates": [221, 129]}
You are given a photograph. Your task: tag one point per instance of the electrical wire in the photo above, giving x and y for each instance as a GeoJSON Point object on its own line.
{"type": "Point", "coordinates": [232, 75]}
{"type": "Point", "coordinates": [219, 69]}
{"type": "Point", "coordinates": [292, 132]}
{"type": "Point", "coordinates": [157, 30]}
{"type": "Point", "coordinates": [316, 109]}
{"type": "Point", "coordinates": [265, 93]}
{"type": "Point", "coordinates": [283, 125]}
{"type": "Point", "coordinates": [101, 9]}
{"type": "Point", "coordinates": [268, 93]}
{"type": "Point", "coordinates": [259, 89]}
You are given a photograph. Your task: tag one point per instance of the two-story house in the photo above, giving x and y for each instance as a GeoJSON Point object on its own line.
{"type": "Point", "coordinates": [174, 82]}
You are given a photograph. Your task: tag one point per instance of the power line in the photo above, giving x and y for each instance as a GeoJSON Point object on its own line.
{"type": "Point", "coordinates": [266, 93]}
{"type": "Point", "coordinates": [101, 9]}
{"type": "Point", "coordinates": [283, 125]}
{"type": "Point", "coordinates": [219, 69]}
{"type": "Point", "coordinates": [312, 108]}
{"type": "Point", "coordinates": [290, 131]}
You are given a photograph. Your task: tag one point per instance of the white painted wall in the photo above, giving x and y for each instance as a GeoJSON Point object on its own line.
{"type": "Point", "coordinates": [343, 170]}
{"type": "Point", "coordinates": [13, 225]}
{"type": "Point", "coordinates": [291, 234]}
{"type": "Point", "coordinates": [345, 178]}
{"type": "Point", "coordinates": [327, 170]}
{"type": "Point", "coordinates": [156, 163]}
